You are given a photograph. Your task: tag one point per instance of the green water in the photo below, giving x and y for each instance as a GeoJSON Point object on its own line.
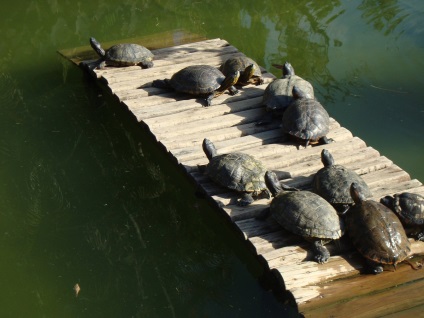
{"type": "Point", "coordinates": [86, 197]}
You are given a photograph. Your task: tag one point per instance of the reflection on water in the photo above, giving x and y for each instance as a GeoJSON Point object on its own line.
{"type": "Point", "coordinates": [87, 198]}
{"type": "Point", "coordinates": [384, 16]}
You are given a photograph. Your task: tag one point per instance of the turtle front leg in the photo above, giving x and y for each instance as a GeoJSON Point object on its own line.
{"type": "Point", "coordinates": [232, 90]}
{"type": "Point", "coordinates": [146, 64]}
{"type": "Point", "coordinates": [257, 80]}
{"type": "Point", "coordinates": [210, 97]}
{"type": "Point", "coordinates": [324, 140]}
{"type": "Point", "coordinates": [420, 236]}
{"type": "Point", "coordinates": [245, 200]}
{"type": "Point", "coordinates": [217, 93]}
{"type": "Point", "coordinates": [373, 267]}
{"type": "Point", "coordinates": [321, 253]}
{"type": "Point", "coordinates": [343, 209]}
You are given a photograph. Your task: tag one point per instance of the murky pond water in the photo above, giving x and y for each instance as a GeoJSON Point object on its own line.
{"type": "Point", "coordinates": [87, 198]}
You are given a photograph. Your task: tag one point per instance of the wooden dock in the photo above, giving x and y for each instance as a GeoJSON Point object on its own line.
{"type": "Point", "coordinates": [179, 123]}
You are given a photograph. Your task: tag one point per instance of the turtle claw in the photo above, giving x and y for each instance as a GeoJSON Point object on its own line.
{"type": "Point", "coordinates": [245, 200]}
{"type": "Point", "coordinates": [209, 100]}
{"type": "Point", "coordinates": [324, 140]}
{"type": "Point", "coordinates": [372, 267]}
{"type": "Point", "coordinates": [321, 253]}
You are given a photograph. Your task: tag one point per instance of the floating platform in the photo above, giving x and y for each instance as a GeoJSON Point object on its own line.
{"type": "Point", "coordinates": [179, 123]}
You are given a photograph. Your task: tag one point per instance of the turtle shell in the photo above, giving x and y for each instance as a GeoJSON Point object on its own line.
{"type": "Point", "coordinates": [237, 171]}
{"type": "Point", "coordinates": [278, 94]}
{"type": "Point", "coordinates": [307, 214]}
{"type": "Point", "coordinates": [306, 119]}
{"type": "Point", "coordinates": [377, 233]}
{"type": "Point", "coordinates": [409, 207]}
{"type": "Point", "coordinates": [239, 63]}
{"type": "Point", "coordinates": [126, 54]}
{"type": "Point", "coordinates": [197, 79]}
{"type": "Point", "coordinates": [333, 184]}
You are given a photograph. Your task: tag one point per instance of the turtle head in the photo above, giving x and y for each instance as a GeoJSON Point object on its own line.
{"type": "Point", "coordinates": [298, 93]}
{"type": "Point", "coordinates": [326, 158]}
{"type": "Point", "coordinates": [97, 47]}
{"type": "Point", "coordinates": [209, 148]}
{"type": "Point", "coordinates": [230, 80]}
{"type": "Point", "coordinates": [388, 201]}
{"type": "Point", "coordinates": [248, 73]}
{"type": "Point", "coordinates": [272, 183]}
{"type": "Point", "coordinates": [287, 69]}
{"type": "Point", "coordinates": [356, 193]}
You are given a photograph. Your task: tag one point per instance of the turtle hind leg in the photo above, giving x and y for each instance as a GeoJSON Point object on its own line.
{"type": "Point", "coordinates": [245, 200]}
{"type": "Point", "coordinates": [321, 253]}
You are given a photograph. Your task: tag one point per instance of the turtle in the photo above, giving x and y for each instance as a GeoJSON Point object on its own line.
{"type": "Point", "coordinates": [376, 232]}
{"type": "Point", "coordinates": [410, 209]}
{"type": "Point", "coordinates": [250, 72]}
{"type": "Point", "coordinates": [201, 80]}
{"type": "Point", "coordinates": [236, 171]}
{"type": "Point", "coordinates": [278, 94]}
{"type": "Point", "coordinates": [306, 120]}
{"type": "Point", "coordinates": [124, 54]}
{"type": "Point", "coordinates": [332, 182]}
{"type": "Point", "coordinates": [306, 214]}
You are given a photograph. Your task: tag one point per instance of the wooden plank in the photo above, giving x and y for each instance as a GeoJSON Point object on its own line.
{"type": "Point", "coordinates": [171, 122]}
{"type": "Point", "coordinates": [146, 108]}
{"type": "Point", "coordinates": [415, 311]}
{"type": "Point", "coordinates": [311, 273]}
{"type": "Point", "coordinates": [359, 298]}
{"type": "Point", "coordinates": [194, 155]}
{"type": "Point", "coordinates": [180, 123]}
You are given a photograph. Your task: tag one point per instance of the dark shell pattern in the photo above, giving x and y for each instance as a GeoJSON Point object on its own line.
{"type": "Point", "coordinates": [333, 184]}
{"type": "Point", "coordinates": [278, 94]}
{"type": "Point", "coordinates": [197, 79]}
{"type": "Point", "coordinates": [377, 233]}
{"type": "Point", "coordinates": [239, 63]}
{"type": "Point", "coordinates": [126, 54]}
{"type": "Point", "coordinates": [409, 207]}
{"type": "Point", "coordinates": [237, 171]}
{"type": "Point", "coordinates": [306, 214]}
{"type": "Point", "coordinates": [306, 119]}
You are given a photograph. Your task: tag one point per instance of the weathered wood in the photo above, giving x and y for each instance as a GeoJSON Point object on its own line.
{"type": "Point", "coordinates": [358, 297]}
{"type": "Point", "coordinates": [194, 155]}
{"type": "Point", "coordinates": [180, 122]}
